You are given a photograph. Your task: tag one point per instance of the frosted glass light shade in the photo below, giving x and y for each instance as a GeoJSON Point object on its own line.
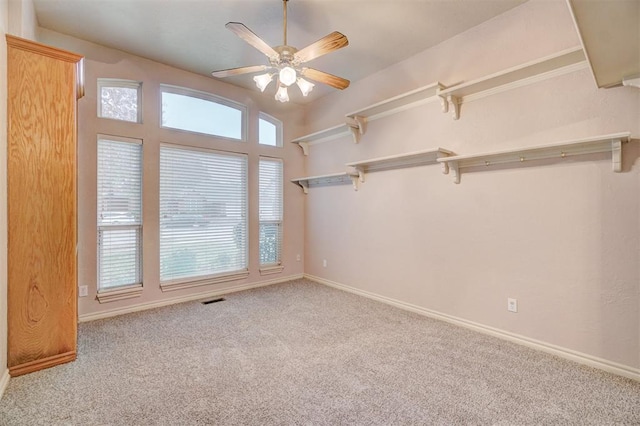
{"type": "Point", "coordinates": [305, 86]}
{"type": "Point", "coordinates": [282, 95]}
{"type": "Point", "coordinates": [287, 76]}
{"type": "Point", "coordinates": [263, 80]}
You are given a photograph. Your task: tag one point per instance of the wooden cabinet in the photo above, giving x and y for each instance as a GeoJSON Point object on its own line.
{"type": "Point", "coordinates": [43, 86]}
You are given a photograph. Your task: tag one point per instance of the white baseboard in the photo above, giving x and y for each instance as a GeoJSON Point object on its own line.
{"type": "Point", "coordinates": [187, 298]}
{"type": "Point", "coordinates": [4, 381]}
{"type": "Point", "coordinates": [582, 358]}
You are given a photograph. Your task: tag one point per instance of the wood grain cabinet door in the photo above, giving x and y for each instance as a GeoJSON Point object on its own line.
{"type": "Point", "coordinates": [41, 173]}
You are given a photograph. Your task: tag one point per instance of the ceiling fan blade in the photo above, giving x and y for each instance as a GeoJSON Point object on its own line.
{"type": "Point", "coordinates": [326, 44]}
{"type": "Point", "coordinates": [326, 78]}
{"type": "Point", "coordinates": [237, 71]}
{"type": "Point", "coordinates": [250, 37]}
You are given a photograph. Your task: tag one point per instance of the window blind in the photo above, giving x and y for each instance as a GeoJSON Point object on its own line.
{"type": "Point", "coordinates": [119, 213]}
{"type": "Point", "coordinates": [203, 213]}
{"type": "Point", "coordinates": [270, 215]}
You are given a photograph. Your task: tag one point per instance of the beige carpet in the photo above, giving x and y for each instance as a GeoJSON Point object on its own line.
{"type": "Point", "coordinates": [304, 354]}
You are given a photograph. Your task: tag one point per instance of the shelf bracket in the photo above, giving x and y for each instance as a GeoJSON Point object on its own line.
{"type": "Point", "coordinates": [305, 186]}
{"type": "Point", "coordinates": [444, 103]}
{"type": "Point", "coordinates": [445, 165]}
{"type": "Point", "coordinates": [454, 102]}
{"type": "Point", "coordinates": [355, 177]}
{"type": "Point", "coordinates": [305, 147]}
{"type": "Point", "coordinates": [616, 155]}
{"type": "Point", "coordinates": [450, 103]}
{"type": "Point", "coordinates": [455, 170]}
{"type": "Point", "coordinates": [357, 126]}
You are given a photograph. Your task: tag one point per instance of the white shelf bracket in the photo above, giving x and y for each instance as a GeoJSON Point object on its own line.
{"type": "Point", "coordinates": [444, 103]}
{"type": "Point", "coordinates": [357, 126]}
{"type": "Point", "coordinates": [455, 169]}
{"type": "Point", "coordinates": [445, 165]}
{"type": "Point", "coordinates": [355, 177]}
{"type": "Point", "coordinates": [450, 103]}
{"type": "Point", "coordinates": [305, 186]}
{"type": "Point", "coordinates": [454, 102]}
{"type": "Point", "coordinates": [616, 155]}
{"type": "Point", "coordinates": [305, 147]}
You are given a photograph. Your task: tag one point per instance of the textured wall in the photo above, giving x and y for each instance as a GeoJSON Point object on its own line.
{"type": "Point", "coordinates": [561, 236]}
{"type": "Point", "coordinates": [106, 63]}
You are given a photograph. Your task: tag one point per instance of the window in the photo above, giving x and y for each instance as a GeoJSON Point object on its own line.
{"type": "Point", "coordinates": [120, 99]}
{"type": "Point", "coordinates": [200, 112]}
{"type": "Point", "coordinates": [119, 212]}
{"type": "Point", "coordinates": [203, 216]}
{"type": "Point", "coordinates": [269, 130]}
{"type": "Point", "coordinates": [270, 193]}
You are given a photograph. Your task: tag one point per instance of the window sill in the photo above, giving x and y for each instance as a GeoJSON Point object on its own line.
{"type": "Point", "coordinates": [269, 270]}
{"type": "Point", "coordinates": [213, 279]}
{"type": "Point", "coordinates": [119, 294]}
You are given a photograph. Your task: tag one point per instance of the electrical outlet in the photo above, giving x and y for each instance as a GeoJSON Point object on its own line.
{"type": "Point", "coordinates": [298, 258]}
{"type": "Point", "coordinates": [512, 305]}
{"type": "Point", "coordinates": [84, 291]}
{"type": "Point", "coordinates": [324, 263]}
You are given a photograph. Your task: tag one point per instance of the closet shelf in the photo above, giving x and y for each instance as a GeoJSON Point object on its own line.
{"type": "Point", "coordinates": [411, 159]}
{"type": "Point", "coordinates": [355, 122]}
{"type": "Point", "coordinates": [331, 179]}
{"type": "Point", "coordinates": [321, 136]}
{"type": "Point", "coordinates": [393, 105]}
{"type": "Point", "coordinates": [451, 98]}
{"type": "Point", "coordinates": [559, 63]}
{"type": "Point", "coordinates": [606, 143]}
{"type": "Point", "coordinates": [352, 125]}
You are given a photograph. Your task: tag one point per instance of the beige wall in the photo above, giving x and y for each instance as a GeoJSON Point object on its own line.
{"type": "Point", "coordinates": [4, 23]}
{"type": "Point", "coordinates": [22, 19]}
{"type": "Point", "coordinates": [563, 237]}
{"type": "Point", "coordinates": [106, 63]}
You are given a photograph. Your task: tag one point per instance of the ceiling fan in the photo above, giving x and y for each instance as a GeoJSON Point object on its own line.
{"type": "Point", "coordinates": [286, 62]}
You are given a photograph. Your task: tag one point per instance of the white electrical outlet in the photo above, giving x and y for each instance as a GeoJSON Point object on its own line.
{"type": "Point", "coordinates": [84, 291]}
{"type": "Point", "coordinates": [512, 305]}
{"type": "Point", "coordinates": [298, 258]}
{"type": "Point", "coordinates": [324, 263]}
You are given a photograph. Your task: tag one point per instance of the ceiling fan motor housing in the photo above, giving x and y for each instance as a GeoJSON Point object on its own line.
{"type": "Point", "coordinates": [286, 56]}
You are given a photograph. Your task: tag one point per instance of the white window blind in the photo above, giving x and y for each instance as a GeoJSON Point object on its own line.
{"type": "Point", "coordinates": [119, 212]}
{"type": "Point", "coordinates": [270, 193]}
{"type": "Point", "coordinates": [203, 214]}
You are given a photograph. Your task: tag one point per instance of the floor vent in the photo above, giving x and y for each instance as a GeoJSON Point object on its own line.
{"type": "Point", "coordinates": [219, 299]}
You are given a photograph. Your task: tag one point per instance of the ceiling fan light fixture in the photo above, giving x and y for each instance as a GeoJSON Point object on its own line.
{"type": "Point", "coordinates": [305, 86]}
{"type": "Point", "coordinates": [263, 80]}
{"type": "Point", "coordinates": [282, 95]}
{"type": "Point", "coordinates": [287, 76]}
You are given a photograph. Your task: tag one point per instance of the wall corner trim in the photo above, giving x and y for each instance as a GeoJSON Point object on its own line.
{"type": "Point", "coordinates": [579, 357]}
{"type": "Point", "coordinates": [180, 299]}
{"type": "Point", "coordinates": [4, 381]}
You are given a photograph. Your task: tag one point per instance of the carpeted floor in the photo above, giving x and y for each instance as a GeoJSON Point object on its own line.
{"type": "Point", "coordinates": [301, 353]}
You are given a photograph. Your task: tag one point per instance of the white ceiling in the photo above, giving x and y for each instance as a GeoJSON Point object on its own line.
{"type": "Point", "coordinates": [190, 34]}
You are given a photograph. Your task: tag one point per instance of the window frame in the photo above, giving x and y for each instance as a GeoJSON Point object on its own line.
{"type": "Point", "coordinates": [123, 84]}
{"type": "Point", "coordinates": [198, 94]}
{"type": "Point", "coordinates": [279, 129]}
{"type": "Point", "coordinates": [132, 289]}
